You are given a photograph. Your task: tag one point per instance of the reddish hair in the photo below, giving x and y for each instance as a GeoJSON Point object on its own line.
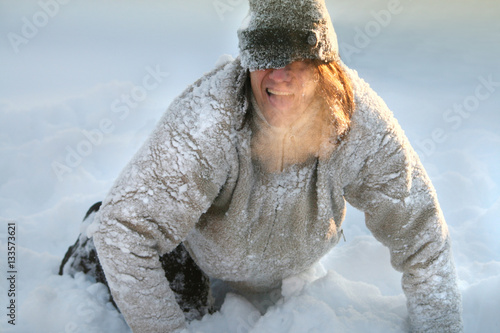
{"type": "Point", "coordinates": [336, 90]}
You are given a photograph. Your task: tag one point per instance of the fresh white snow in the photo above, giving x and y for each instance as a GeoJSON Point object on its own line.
{"type": "Point", "coordinates": [81, 91]}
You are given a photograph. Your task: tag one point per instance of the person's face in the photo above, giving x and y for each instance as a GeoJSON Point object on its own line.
{"type": "Point", "coordinates": [284, 94]}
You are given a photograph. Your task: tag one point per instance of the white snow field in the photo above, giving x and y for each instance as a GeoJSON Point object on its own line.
{"type": "Point", "coordinates": [74, 107]}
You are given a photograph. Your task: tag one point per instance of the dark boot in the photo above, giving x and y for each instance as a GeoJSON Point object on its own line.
{"type": "Point", "coordinates": [188, 282]}
{"type": "Point", "coordinates": [82, 256]}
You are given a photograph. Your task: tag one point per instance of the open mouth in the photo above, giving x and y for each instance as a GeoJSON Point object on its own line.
{"type": "Point", "coordinates": [278, 93]}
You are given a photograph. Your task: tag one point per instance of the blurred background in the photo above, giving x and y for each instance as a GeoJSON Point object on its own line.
{"type": "Point", "coordinates": [68, 124]}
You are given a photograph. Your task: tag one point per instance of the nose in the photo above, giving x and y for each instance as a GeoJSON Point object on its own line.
{"type": "Point", "coordinates": [280, 75]}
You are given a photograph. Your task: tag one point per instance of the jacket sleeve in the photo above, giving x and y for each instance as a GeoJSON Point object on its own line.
{"type": "Point", "coordinates": [386, 180]}
{"type": "Point", "coordinates": [154, 204]}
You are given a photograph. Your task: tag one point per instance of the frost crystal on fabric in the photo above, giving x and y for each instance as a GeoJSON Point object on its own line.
{"type": "Point", "coordinates": [276, 33]}
{"type": "Point", "coordinates": [195, 182]}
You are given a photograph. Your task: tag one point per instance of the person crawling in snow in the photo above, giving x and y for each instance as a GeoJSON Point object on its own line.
{"type": "Point", "coordinates": [245, 180]}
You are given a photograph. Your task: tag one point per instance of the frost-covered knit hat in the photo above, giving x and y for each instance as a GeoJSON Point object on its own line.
{"type": "Point", "coordinates": [278, 32]}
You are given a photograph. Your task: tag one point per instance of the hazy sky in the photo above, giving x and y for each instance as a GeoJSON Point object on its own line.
{"type": "Point", "coordinates": [90, 42]}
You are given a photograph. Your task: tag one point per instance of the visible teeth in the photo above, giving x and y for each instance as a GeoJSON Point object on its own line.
{"type": "Point", "coordinates": [279, 93]}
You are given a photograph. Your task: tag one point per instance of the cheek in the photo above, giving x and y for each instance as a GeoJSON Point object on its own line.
{"type": "Point", "coordinates": [256, 84]}
{"type": "Point", "coordinates": [256, 78]}
{"type": "Point", "coordinates": [309, 90]}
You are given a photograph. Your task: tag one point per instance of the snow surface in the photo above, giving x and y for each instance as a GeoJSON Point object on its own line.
{"type": "Point", "coordinates": [70, 81]}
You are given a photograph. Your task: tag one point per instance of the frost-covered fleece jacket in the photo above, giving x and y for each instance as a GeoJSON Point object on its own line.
{"type": "Point", "coordinates": [194, 181]}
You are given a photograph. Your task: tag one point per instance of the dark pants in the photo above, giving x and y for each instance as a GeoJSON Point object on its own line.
{"type": "Point", "coordinates": [189, 284]}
